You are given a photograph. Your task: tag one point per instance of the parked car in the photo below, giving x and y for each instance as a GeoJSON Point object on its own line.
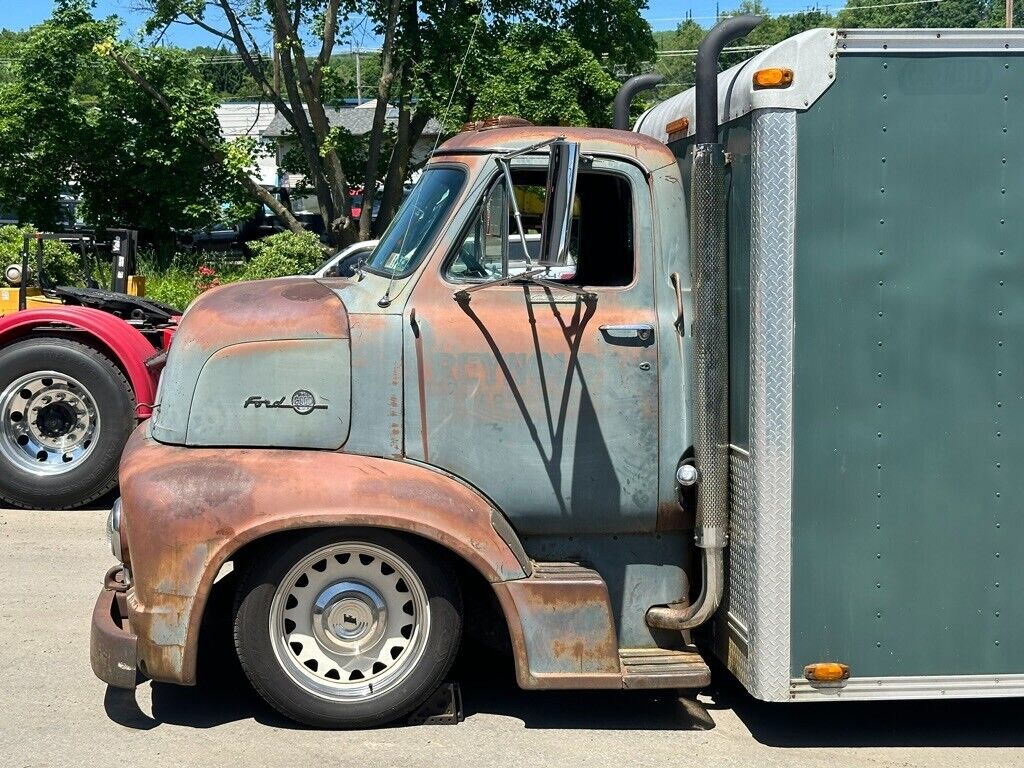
{"type": "Point", "coordinates": [345, 261]}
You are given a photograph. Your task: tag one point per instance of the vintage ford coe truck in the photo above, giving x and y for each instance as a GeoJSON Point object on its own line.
{"type": "Point", "coordinates": [757, 392]}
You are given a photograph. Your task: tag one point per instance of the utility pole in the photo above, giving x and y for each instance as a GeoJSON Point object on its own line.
{"type": "Point", "coordinates": [276, 59]}
{"type": "Point", "coordinates": [1009, 14]}
{"type": "Point", "coordinates": [358, 76]}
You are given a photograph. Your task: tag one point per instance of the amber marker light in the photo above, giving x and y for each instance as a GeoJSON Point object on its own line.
{"type": "Point", "coordinates": [677, 128]}
{"type": "Point", "coordinates": [773, 77]}
{"type": "Point", "coordinates": [826, 672]}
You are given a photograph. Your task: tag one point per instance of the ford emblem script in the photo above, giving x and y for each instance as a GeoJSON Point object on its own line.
{"type": "Point", "coordinates": [302, 402]}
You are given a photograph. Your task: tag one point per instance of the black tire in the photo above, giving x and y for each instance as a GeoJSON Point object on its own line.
{"type": "Point", "coordinates": [256, 653]}
{"type": "Point", "coordinates": [115, 403]}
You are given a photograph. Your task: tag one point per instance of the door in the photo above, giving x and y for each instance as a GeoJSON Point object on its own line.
{"type": "Point", "coordinates": [545, 400]}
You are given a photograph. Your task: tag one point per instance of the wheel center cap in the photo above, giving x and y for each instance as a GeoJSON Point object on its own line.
{"type": "Point", "coordinates": [349, 616]}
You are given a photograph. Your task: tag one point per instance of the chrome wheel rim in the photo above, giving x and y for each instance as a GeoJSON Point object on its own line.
{"type": "Point", "coordinates": [349, 621]}
{"type": "Point", "coordinates": [48, 423]}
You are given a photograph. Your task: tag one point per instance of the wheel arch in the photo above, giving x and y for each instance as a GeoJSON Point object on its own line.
{"type": "Point", "coordinates": [199, 508]}
{"type": "Point", "coordinates": [242, 550]}
{"type": "Point", "coordinates": [122, 343]}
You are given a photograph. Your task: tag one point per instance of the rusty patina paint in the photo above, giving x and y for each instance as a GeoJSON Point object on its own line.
{"type": "Point", "coordinates": [283, 308]}
{"type": "Point", "coordinates": [196, 506]}
{"type": "Point", "coordinates": [562, 629]}
{"type": "Point", "coordinates": [522, 378]}
{"type": "Point", "coordinates": [645, 150]}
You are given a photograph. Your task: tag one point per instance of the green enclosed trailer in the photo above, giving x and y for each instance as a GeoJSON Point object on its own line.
{"type": "Point", "coordinates": [876, 357]}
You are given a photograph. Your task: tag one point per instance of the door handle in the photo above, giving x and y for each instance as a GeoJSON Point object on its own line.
{"type": "Point", "coordinates": [641, 331]}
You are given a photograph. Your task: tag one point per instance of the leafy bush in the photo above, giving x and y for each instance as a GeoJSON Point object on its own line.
{"type": "Point", "coordinates": [180, 283]}
{"type": "Point", "coordinates": [174, 286]}
{"type": "Point", "coordinates": [62, 265]}
{"type": "Point", "coordinates": [285, 253]}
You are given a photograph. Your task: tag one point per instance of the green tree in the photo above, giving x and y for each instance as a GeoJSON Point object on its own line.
{"type": "Point", "coordinates": [947, 13]}
{"type": "Point", "coordinates": [150, 169]}
{"type": "Point", "coordinates": [44, 123]}
{"type": "Point", "coordinates": [548, 79]}
{"type": "Point", "coordinates": [418, 70]}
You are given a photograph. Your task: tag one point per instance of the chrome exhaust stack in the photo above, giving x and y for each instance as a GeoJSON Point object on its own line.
{"type": "Point", "coordinates": [709, 272]}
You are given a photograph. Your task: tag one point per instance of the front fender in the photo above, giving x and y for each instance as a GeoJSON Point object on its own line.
{"type": "Point", "coordinates": [186, 511]}
{"type": "Point", "coordinates": [128, 347]}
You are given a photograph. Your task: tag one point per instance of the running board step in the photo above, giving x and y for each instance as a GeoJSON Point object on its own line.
{"type": "Point", "coordinates": [660, 668]}
{"type": "Point", "coordinates": [564, 635]}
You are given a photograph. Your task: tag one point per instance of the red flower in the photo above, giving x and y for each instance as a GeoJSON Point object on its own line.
{"type": "Point", "coordinates": [207, 271]}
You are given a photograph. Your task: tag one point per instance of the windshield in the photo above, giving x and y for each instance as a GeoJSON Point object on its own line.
{"type": "Point", "coordinates": [417, 221]}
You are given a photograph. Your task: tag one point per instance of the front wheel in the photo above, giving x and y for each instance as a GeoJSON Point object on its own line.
{"type": "Point", "coordinates": [66, 411]}
{"type": "Point", "coordinates": [347, 630]}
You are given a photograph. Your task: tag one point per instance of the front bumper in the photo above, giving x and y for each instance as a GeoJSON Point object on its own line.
{"type": "Point", "coordinates": [112, 644]}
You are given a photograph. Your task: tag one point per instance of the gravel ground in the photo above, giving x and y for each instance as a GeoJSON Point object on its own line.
{"type": "Point", "coordinates": [54, 712]}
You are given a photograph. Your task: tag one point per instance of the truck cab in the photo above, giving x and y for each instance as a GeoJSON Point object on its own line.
{"type": "Point", "coordinates": [459, 403]}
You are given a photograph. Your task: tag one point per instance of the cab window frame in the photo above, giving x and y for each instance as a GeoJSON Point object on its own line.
{"type": "Point", "coordinates": [586, 169]}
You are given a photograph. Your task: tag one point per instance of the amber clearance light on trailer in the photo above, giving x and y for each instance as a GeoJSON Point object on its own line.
{"type": "Point", "coordinates": [773, 77]}
{"type": "Point", "coordinates": [677, 128]}
{"type": "Point", "coordinates": [826, 672]}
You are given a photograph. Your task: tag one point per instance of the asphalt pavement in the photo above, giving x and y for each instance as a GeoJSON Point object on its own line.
{"type": "Point", "coordinates": [53, 711]}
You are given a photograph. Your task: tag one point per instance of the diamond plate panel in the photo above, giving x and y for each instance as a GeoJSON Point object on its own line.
{"type": "Point", "coordinates": [740, 567]}
{"type": "Point", "coordinates": [773, 223]}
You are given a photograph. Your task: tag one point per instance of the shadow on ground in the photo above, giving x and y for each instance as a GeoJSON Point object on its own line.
{"type": "Point", "coordinates": [488, 687]}
{"type": "Point", "coordinates": [933, 723]}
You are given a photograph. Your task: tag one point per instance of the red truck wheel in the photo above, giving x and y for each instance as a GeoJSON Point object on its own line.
{"type": "Point", "coordinates": [66, 411]}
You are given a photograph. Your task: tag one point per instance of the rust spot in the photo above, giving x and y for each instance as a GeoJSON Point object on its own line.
{"type": "Point", "coordinates": [303, 291]}
{"type": "Point", "coordinates": [283, 308]}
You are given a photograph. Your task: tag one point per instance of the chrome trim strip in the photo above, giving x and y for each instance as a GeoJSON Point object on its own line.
{"type": "Point", "coordinates": [910, 687]}
{"type": "Point", "coordinates": [929, 40]}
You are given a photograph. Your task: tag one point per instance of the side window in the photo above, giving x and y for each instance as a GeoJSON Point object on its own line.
{"type": "Point", "coordinates": [601, 250]}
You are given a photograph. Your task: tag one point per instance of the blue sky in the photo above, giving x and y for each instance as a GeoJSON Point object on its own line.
{"type": "Point", "coordinates": [663, 14]}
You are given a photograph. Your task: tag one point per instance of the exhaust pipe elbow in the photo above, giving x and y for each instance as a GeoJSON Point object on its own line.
{"type": "Point", "coordinates": [682, 617]}
{"type": "Point", "coordinates": [706, 74]}
{"type": "Point", "coordinates": [626, 94]}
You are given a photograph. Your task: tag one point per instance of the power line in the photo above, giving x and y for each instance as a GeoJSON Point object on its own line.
{"type": "Point", "coordinates": [808, 9]}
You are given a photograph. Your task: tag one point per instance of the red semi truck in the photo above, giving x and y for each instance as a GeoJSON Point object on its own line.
{"type": "Point", "coordinates": [78, 371]}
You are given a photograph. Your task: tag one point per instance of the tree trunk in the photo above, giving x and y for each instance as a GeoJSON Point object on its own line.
{"type": "Point", "coordinates": [410, 129]}
{"type": "Point", "coordinates": [379, 114]}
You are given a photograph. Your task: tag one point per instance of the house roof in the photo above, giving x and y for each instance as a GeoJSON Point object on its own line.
{"type": "Point", "coordinates": [244, 118]}
{"type": "Point", "coordinates": [356, 121]}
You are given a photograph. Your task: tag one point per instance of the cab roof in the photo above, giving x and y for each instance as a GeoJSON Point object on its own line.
{"type": "Point", "coordinates": [646, 151]}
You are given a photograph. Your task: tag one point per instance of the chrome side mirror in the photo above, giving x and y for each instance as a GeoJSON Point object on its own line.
{"type": "Point", "coordinates": [560, 194]}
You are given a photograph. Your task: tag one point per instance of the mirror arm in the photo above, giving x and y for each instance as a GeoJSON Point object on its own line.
{"type": "Point", "coordinates": [463, 293]}
{"type": "Point", "coordinates": [507, 171]}
{"type": "Point", "coordinates": [531, 148]}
